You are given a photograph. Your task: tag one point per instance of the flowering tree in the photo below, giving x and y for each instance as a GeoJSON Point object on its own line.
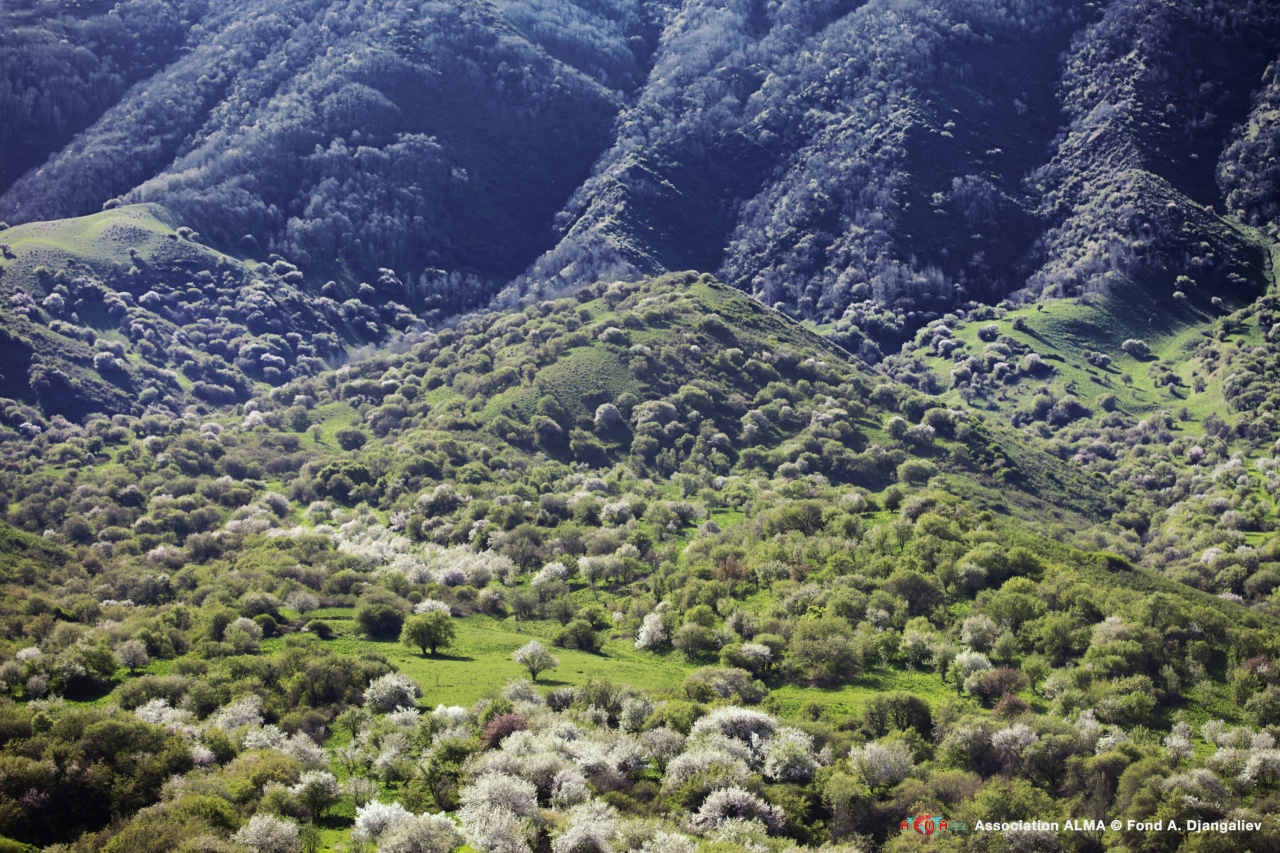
{"type": "Point", "coordinates": [738, 723]}
{"type": "Point", "coordinates": [269, 834]}
{"type": "Point", "coordinates": [1178, 743]}
{"type": "Point", "coordinates": [789, 756]}
{"type": "Point", "coordinates": [244, 635]}
{"type": "Point", "coordinates": [587, 829]}
{"type": "Point", "coordinates": [729, 803]}
{"type": "Point", "coordinates": [317, 790]}
{"type": "Point", "coordinates": [425, 833]}
{"type": "Point", "coordinates": [302, 601]}
{"type": "Point", "coordinates": [496, 830]}
{"type": "Point", "coordinates": [246, 711]}
{"type": "Point", "coordinates": [1262, 770]}
{"type": "Point", "coordinates": [376, 818]}
{"type": "Point", "coordinates": [361, 790]}
{"type": "Point", "coordinates": [499, 813]}
{"type": "Point", "coordinates": [1010, 743]}
{"type": "Point", "coordinates": [428, 605]}
{"type": "Point", "coordinates": [535, 658]}
{"type": "Point", "coordinates": [979, 632]}
{"type": "Point", "coordinates": [882, 765]}
{"type": "Point", "coordinates": [652, 632]}
{"type": "Point", "coordinates": [392, 691]}
{"type": "Point", "coordinates": [132, 655]}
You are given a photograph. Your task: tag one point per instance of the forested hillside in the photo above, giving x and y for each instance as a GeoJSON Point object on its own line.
{"type": "Point", "coordinates": [675, 574]}
{"type": "Point", "coordinates": [869, 167]}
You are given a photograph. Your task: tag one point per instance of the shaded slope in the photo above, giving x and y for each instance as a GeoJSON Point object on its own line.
{"type": "Point", "coordinates": [359, 136]}
{"type": "Point", "coordinates": [125, 311]}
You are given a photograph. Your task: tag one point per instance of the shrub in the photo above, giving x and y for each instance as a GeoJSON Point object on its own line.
{"type": "Point", "coordinates": [1136, 347]}
{"type": "Point", "coordinates": [320, 628]}
{"type": "Point", "coordinates": [694, 640]}
{"type": "Point", "coordinates": [1010, 707]}
{"type": "Point", "coordinates": [725, 683]}
{"type": "Point", "coordinates": [350, 439]}
{"type": "Point", "coordinates": [500, 727]}
{"type": "Point", "coordinates": [379, 619]}
{"type": "Point", "coordinates": [898, 710]}
{"type": "Point", "coordinates": [579, 634]}
{"type": "Point", "coordinates": [995, 682]}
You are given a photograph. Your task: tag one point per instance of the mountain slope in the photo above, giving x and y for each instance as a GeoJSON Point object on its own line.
{"type": "Point", "coordinates": [869, 167]}
{"type": "Point", "coordinates": [357, 137]}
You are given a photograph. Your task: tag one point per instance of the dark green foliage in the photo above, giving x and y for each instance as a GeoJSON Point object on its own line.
{"type": "Point", "coordinates": [432, 630]}
{"type": "Point", "coordinates": [579, 634]}
{"type": "Point", "coordinates": [899, 711]}
{"type": "Point", "coordinates": [379, 620]}
{"type": "Point", "coordinates": [320, 628]}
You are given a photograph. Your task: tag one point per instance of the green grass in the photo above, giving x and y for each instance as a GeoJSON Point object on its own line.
{"type": "Point", "coordinates": [479, 663]}
{"type": "Point", "coordinates": [332, 417]}
{"type": "Point", "coordinates": [99, 240]}
{"type": "Point", "coordinates": [583, 370]}
{"type": "Point", "coordinates": [1062, 331]}
{"type": "Point", "coordinates": [849, 698]}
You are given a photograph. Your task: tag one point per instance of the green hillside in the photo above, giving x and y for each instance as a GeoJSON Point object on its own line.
{"type": "Point", "coordinates": [705, 512]}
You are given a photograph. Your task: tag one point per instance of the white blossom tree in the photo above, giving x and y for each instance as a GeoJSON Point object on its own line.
{"type": "Point", "coordinates": [882, 765]}
{"type": "Point", "coordinates": [736, 803]}
{"type": "Point", "coordinates": [1178, 743]}
{"type": "Point", "coordinates": [317, 790]}
{"type": "Point", "coordinates": [244, 635]}
{"type": "Point", "coordinates": [587, 829]}
{"type": "Point", "coordinates": [132, 655]}
{"type": "Point", "coordinates": [377, 818]}
{"type": "Point", "coordinates": [652, 633]}
{"type": "Point", "coordinates": [979, 632]}
{"type": "Point", "coordinates": [391, 691]}
{"type": "Point", "coordinates": [269, 834]}
{"type": "Point", "coordinates": [535, 658]}
{"type": "Point", "coordinates": [426, 833]}
{"type": "Point", "coordinates": [302, 601]}
{"type": "Point", "coordinates": [788, 756]}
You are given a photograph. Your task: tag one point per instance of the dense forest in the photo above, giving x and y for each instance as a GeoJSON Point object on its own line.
{"type": "Point", "coordinates": [868, 167]}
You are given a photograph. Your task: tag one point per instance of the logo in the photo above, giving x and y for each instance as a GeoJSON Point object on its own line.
{"type": "Point", "coordinates": [927, 825]}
